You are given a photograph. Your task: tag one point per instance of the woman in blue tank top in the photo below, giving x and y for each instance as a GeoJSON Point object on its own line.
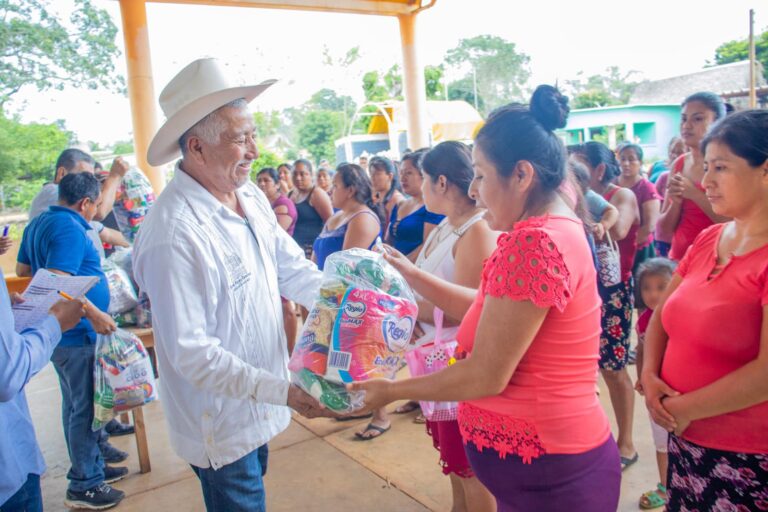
{"type": "Point", "coordinates": [358, 221]}
{"type": "Point", "coordinates": [411, 223]}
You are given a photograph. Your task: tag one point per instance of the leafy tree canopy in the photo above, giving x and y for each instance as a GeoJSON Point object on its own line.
{"type": "Point", "coordinates": [738, 50]}
{"type": "Point", "coordinates": [502, 71]}
{"type": "Point", "coordinates": [39, 49]}
{"type": "Point", "coordinates": [614, 87]}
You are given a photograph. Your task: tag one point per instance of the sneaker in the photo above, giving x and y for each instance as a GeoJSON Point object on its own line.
{"type": "Point", "coordinates": [100, 497]}
{"type": "Point", "coordinates": [113, 474]}
{"type": "Point", "coordinates": [116, 429]}
{"type": "Point", "coordinates": [112, 455]}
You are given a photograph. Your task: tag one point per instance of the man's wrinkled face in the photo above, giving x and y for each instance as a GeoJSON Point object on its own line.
{"type": "Point", "coordinates": [228, 162]}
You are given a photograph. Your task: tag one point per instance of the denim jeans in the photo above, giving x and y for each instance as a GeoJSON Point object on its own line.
{"type": "Point", "coordinates": [27, 499]}
{"type": "Point", "coordinates": [75, 368]}
{"type": "Point", "coordinates": [238, 486]}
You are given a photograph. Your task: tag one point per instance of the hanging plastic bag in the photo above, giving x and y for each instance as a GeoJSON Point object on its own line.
{"type": "Point", "coordinates": [134, 199]}
{"type": "Point", "coordinates": [357, 330]}
{"type": "Point", "coordinates": [122, 296]}
{"type": "Point", "coordinates": [431, 358]}
{"type": "Point", "coordinates": [608, 262]}
{"type": "Point", "coordinates": [122, 377]}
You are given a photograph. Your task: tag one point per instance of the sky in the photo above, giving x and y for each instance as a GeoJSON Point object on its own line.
{"type": "Point", "coordinates": [657, 38]}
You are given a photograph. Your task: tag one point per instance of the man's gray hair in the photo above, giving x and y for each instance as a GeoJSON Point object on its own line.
{"type": "Point", "coordinates": [210, 127]}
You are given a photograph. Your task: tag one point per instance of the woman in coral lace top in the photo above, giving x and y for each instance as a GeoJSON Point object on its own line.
{"type": "Point", "coordinates": [535, 433]}
{"type": "Point", "coordinates": [705, 373]}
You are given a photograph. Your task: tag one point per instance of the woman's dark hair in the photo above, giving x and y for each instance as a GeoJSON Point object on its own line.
{"type": "Point", "coordinates": [306, 163]}
{"type": "Point", "coordinates": [381, 163]}
{"type": "Point", "coordinates": [651, 267]}
{"type": "Point", "coordinates": [415, 157]}
{"type": "Point", "coordinates": [634, 147]}
{"type": "Point", "coordinates": [710, 100]}
{"type": "Point", "coordinates": [745, 133]}
{"type": "Point", "coordinates": [272, 172]}
{"type": "Point", "coordinates": [597, 153]}
{"type": "Point", "coordinates": [354, 176]}
{"type": "Point", "coordinates": [518, 132]}
{"type": "Point", "coordinates": [580, 174]}
{"type": "Point", "coordinates": [285, 164]}
{"type": "Point", "coordinates": [78, 186]}
{"type": "Point", "coordinates": [453, 160]}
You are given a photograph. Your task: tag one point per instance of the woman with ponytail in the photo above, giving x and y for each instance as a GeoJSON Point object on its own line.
{"type": "Point", "coordinates": [534, 431]}
{"type": "Point", "coordinates": [358, 221]}
{"type": "Point", "coordinates": [386, 183]}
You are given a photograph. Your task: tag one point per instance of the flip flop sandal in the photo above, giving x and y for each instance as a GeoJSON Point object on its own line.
{"type": "Point", "coordinates": [406, 408]}
{"type": "Point", "coordinates": [420, 419]}
{"type": "Point", "coordinates": [628, 461]}
{"type": "Point", "coordinates": [360, 436]}
{"type": "Point", "coordinates": [352, 418]}
{"type": "Point", "coordinates": [652, 499]}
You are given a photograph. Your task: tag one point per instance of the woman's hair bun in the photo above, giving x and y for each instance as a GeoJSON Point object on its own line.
{"type": "Point", "coordinates": [549, 107]}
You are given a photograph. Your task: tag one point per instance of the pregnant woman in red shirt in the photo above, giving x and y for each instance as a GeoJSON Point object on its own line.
{"type": "Point", "coordinates": [534, 431]}
{"type": "Point", "coordinates": [705, 373]}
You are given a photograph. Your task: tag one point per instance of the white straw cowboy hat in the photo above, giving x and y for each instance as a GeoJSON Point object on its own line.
{"type": "Point", "coordinates": [196, 91]}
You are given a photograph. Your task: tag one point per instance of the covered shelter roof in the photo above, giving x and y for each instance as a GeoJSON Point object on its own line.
{"type": "Point", "coordinates": [447, 120]}
{"type": "Point", "coordinates": [376, 7]}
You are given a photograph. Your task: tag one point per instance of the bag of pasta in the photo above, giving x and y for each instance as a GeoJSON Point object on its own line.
{"type": "Point", "coordinates": [357, 330]}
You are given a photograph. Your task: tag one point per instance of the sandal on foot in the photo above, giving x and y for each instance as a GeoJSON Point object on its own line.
{"type": "Point", "coordinates": [352, 418]}
{"type": "Point", "coordinates": [360, 436]}
{"type": "Point", "coordinates": [628, 461]}
{"type": "Point", "coordinates": [654, 498]}
{"type": "Point", "coordinates": [420, 419]}
{"type": "Point", "coordinates": [406, 408]}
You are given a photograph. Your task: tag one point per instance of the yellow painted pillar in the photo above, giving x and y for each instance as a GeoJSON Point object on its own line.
{"type": "Point", "coordinates": [141, 90]}
{"type": "Point", "coordinates": [413, 85]}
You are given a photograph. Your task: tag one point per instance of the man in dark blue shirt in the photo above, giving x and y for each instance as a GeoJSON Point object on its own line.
{"type": "Point", "coordinates": [57, 240]}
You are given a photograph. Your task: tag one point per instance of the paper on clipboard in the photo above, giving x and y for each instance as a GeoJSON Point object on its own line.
{"type": "Point", "coordinates": [41, 294]}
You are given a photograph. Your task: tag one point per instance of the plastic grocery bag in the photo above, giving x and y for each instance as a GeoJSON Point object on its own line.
{"type": "Point", "coordinates": [358, 328]}
{"type": "Point", "coordinates": [122, 296]}
{"type": "Point", "coordinates": [134, 199]}
{"type": "Point", "coordinates": [431, 358]}
{"type": "Point", "coordinates": [122, 376]}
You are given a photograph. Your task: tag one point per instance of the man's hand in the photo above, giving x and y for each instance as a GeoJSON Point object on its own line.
{"type": "Point", "coordinates": [307, 406]}
{"type": "Point", "coordinates": [102, 323]}
{"type": "Point", "coordinates": [5, 244]}
{"type": "Point", "coordinates": [119, 167]}
{"type": "Point", "coordinates": [68, 313]}
{"type": "Point", "coordinates": [16, 298]}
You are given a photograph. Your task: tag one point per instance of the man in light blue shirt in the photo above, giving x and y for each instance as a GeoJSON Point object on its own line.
{"type": "Point", "coordinates": [21, 357]}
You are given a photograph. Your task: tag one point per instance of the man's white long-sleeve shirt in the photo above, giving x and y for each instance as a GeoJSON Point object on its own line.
{"type": "Point", "coordinates": [214, 281]}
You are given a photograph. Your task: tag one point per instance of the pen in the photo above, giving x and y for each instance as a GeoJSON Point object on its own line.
{"type": "Point", "coordinates": [69, 297]}
{"type": "Point", "coordinates": [5, 230]}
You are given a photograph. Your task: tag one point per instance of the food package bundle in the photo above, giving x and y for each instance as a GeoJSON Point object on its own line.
{"type": "Point", "coordinates": [122, 295]}
{"type": "Point", "coordinates": [358, 328]}
{"type": "Point", "coordinates": [123, 377]}
{"type": "Point", "coordinates": [134, 199]}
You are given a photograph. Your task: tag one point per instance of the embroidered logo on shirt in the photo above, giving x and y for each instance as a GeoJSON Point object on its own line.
{"type": "Point", "coordinates": [238, 274]}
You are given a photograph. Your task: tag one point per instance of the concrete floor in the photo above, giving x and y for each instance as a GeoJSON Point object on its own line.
{"type": "Point", "coordinates": [314, 465]}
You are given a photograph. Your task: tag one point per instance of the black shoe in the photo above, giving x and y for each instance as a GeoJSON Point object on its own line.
{"type": "Point", "coordinates": [117, 429]}
{"type": "Point", "coordinates": [112, 455]}
{"type": "Point", "coordinates": [100, 497]}
{"type": "Point", "coordinates": [112, 474]}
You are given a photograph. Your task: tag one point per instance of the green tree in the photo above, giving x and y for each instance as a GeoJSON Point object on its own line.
{"type": "Point", "coordinates": [433, 81]}
{"type": "Point", "coordinates": [318, 131]}
{"type": "Point", "coordinates": [614, 87]}
{"type": "Point", "coordinates": [267, 158]}
{"type": "Point", "coordinates": [464, 89]}
{"type": "Point", "coordinates": [123, 147]}
{"type": "Point", "coordinates": [738, 50]}
{"type": "Point", "coordinates": [28, 154]}
{"type": "Point", "coordinates": [501, 70]}
{"type": "Point", "coordinates": [38, 49]}
{"type": "Point", "coordinates": [267, 123]}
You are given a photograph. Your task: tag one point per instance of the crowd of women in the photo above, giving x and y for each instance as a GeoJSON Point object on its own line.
{"type": "Point", "coordinates": [536, 258]}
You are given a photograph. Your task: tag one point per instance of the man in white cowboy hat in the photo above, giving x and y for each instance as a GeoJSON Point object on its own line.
{"type": "Point", "coordinates": [214, 262]}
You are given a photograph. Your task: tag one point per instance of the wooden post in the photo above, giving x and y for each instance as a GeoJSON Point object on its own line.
{"type": "Point", "coordinates": [752, 61]}
{"type": "Point", "coordinates": [141, 90]}
{"type": "Point", "coordinates": [141, 440]}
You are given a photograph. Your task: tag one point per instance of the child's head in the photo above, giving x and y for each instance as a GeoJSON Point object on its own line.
{"type": "Point", "coordinates": [652, 278]}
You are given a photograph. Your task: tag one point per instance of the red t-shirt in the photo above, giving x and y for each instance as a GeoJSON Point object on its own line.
{"type": "Point", "coordinates": [627, 245]}
{"type": "Point", "coordinates": [714, 323]}
{"type": "Point", "coordinates": [692, 219]}
{"type": "Point", "coordinates": [549, 405]}
{"type": "Point", "coordinates": [644, 191]}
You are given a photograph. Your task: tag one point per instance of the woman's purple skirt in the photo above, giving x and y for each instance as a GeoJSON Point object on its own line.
{"type": "Point", "coordinates": [588, 481]}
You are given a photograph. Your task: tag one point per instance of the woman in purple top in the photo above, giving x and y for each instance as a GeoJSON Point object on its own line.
{"type": "Point", "coordinates": [268, 181]}
{"type": "Point", "coordinates": [649, 201]}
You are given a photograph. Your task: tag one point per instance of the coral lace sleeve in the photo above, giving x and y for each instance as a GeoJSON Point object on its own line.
{"type": "Point", "coordinates": [528, 266]}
